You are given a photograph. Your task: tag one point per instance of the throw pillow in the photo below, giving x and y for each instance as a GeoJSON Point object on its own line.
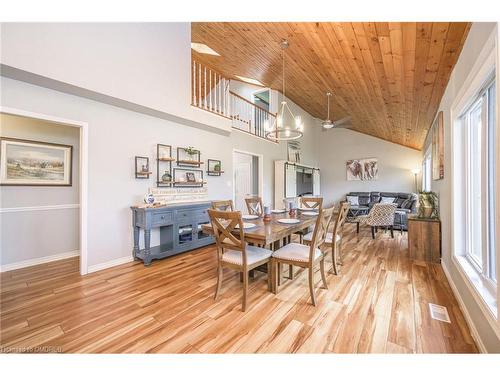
{"type": "Point", "coordinates": [353, 200]}
{"type": "Point", "coordinates": [387, 200]}
{"type": "Point", "coordinates": [399, 202]}
{"type": "Point", "coordinates": [408, 203]}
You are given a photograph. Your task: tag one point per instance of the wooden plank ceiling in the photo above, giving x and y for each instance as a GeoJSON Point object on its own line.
{"type": "Point", "coordinates": [389, 77]}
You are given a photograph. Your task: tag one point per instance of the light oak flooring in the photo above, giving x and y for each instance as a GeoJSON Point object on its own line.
{"type": "Point", "coordinates": [379, 303]}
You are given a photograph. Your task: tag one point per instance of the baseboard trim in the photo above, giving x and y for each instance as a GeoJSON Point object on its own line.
{"type": "Point", "coordinates": [36, 261]}
{"type": "Point", "coordinates": [463, 308]}
{"type": "Point", "coordinates": [109, 264]}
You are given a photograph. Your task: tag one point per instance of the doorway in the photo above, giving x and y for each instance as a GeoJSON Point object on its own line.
{"type": "Point", "coordinates": [81, 185]}
{"type": "Point", "coordinates": [247, 177]}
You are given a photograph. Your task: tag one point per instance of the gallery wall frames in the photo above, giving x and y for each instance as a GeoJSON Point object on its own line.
{"type": "Point", "coordinates": [142, 167]}
{"type": "Point", "coordinates": [214, 167]}
{"type": "Point", "coordinates": [164, 161]}
{"type": "Point", "coordinates": [33, 163]}
{"type": "Point", "coordinates": [187, 177]}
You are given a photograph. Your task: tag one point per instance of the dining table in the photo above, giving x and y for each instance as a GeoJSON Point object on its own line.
{"type": "Point", "coordinates": [272, 233]}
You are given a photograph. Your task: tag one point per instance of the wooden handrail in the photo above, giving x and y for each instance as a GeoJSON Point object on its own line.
{"type": "Point", "coordinates": [249, 102]}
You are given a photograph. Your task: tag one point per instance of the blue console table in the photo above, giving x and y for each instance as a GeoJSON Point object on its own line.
{"type": "Point", "coordinates": [180, 229]}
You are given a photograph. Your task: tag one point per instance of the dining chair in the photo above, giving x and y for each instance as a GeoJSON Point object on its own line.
{"type": "Point", "coordinates": [315, 203]}
{"type": "Point", "coordinates": [233, 252]}
{"type": "Point", "coordinates": [254, 206]}
{"type": "Point", "coordinates": [311, 202]}
{"type": "Point", "coordinates": [336, 245]}
{"type": "Point", "coordinates": [305, 256]}
{"type": "Point", "coordinates": [381, 215]}
{"type": "Point", "coordinates": [226, 205]}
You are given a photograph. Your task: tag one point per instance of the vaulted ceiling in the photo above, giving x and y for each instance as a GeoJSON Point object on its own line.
{"type": "Point", "coordinates": [389, 77]}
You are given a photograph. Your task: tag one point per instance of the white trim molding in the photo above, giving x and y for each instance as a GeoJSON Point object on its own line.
{"type": "Point", "coordinates": [37, 261]}
{"type": "Point", "coordinates": [111, 263]}
{"type": "Point", "coordinates": [463, 308]}
{"type": "Point", "coordinates": [40, 208]}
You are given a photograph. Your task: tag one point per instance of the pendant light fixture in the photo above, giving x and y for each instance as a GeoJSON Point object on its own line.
{"type": "Point", "coordinates": [286, 126]}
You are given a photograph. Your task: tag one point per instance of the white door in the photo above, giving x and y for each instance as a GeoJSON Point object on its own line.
{"type": "Point", "coordinates": [244, 179]}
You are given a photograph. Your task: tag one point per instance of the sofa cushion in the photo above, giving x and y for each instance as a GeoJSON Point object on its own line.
{"type": "Point", "coordinates": [353, 200]}
{"type": "Point", "coordinates": [407, 204]}
{"type": "Point", "coordinates": [374, 197]}
{"type": "Point", "coordinates": [364, 200]}
{"type": "Point", "coordinates": [387, 200]}
{"type": "Point", "coordinates": [399, 201]}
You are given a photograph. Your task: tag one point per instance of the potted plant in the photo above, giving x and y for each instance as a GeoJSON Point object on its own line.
{"type": "Point", "coordinates": [428, 205]}
{"type": "Point", "coordinates": [191, 151]}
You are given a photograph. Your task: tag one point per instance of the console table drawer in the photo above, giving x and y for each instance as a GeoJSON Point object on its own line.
{"type": "Point", "coordinates": [162, 218]}
{"type": "Point", "coordinates": [191, 214]}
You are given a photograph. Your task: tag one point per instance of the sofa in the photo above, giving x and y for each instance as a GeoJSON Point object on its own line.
{"type": "Point", "coordinates": [406, 204]}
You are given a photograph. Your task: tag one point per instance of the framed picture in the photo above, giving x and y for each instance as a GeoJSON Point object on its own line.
{"type": "Point", "coordinates": [362, 169]}
{"type": "Point", "coordinates": [438, 147]}
{"type": "Point", "coordinates": [190, 177]}
{"type": "Point", "coordinates": [214, 167]}
{"type": "Point", "coordinates": [294, 152]}
{"type": "Point", "coordinates": [33, 163]}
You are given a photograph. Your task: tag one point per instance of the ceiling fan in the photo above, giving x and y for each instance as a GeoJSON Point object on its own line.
{"type": "Point", "coordinates": [329, 124]}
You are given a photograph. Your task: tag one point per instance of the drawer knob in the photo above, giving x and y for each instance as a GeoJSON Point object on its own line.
{"type": "Point", "coordinates": [163, 217]}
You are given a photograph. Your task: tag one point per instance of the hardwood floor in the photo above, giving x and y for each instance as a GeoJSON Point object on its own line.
{"type": "Point", "coordinates": [378, 304]}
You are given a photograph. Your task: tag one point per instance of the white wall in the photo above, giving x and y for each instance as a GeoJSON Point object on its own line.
{"type": "Point", "coordinates": [29, 234]}
{"type": "Point", "coordinates": [475, 42]}
{"type": "Point", "coordinates": [146, 65]}
{"type": "Point", "coordinates": [115, 137]}
{"type": "Point", "coordinates": [336, 146]}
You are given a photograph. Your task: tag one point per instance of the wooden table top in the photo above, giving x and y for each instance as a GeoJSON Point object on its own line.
{"type": "Point", "coordinates": [266, 233]}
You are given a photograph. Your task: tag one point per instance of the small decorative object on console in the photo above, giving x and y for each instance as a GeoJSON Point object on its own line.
{"type": "Point", "coordinates": [149, 198]}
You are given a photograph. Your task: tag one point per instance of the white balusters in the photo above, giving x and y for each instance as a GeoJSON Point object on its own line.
{"type": "Point", "coordinates": [209, 90]}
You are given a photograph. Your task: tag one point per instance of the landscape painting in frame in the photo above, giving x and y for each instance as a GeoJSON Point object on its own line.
{"type": "Point", "coordinates": [32, 163]}
{"type": "Point", "coordinates": [362, 169]}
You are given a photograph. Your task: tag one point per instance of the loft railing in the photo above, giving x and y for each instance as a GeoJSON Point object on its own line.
{"type": "Point", "coordinates": [210, 92]}
{"type": "Point", "coordinates": [209, 89]}
{"type": "Point", "coordinates": [249, 117]}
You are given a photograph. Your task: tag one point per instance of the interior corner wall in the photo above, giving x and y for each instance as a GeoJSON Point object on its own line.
{"type": "Point", "coordinates": [337, 146]}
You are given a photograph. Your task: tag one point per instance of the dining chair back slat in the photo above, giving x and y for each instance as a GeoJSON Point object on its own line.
{"type": "Point", "coordinates": [254, 206]}
{"type": "Point", "coordinates": [224, 205]}
{"type": "Point", "coordinates": [312, 202]}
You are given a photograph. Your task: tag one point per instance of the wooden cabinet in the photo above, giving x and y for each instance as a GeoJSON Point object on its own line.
{"type": "Point", "coordinates": [424, 239]}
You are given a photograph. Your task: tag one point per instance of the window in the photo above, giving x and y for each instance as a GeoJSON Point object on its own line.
{"type": "Point", "coordinates": [261, 99]}
{"type": "Point", "coordinates": [427, 170]}
{"type": "Point", "coordinates": [476, 149]}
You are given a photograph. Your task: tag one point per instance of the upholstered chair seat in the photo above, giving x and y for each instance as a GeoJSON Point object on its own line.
{"type": "Point", "coordinates": [296, 252]}
{"type": "Point", "coordinates": [254, 255]}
